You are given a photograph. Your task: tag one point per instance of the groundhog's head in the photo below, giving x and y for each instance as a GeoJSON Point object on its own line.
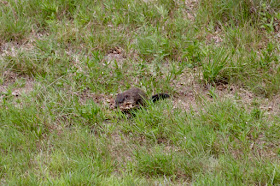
{"type": "Point", "coordinates": [125, 102]}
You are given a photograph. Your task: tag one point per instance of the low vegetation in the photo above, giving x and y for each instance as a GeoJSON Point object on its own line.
{"type": "Point", "coordinates": [62, 63]}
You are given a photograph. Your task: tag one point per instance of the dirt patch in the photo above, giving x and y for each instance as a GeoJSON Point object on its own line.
{"type": "Point", "coordinates": [190, 93]}
{"type": "Point", "coordinates": [115, 55]}
{"type": "Point", "coordinates": [9, 49]}
{"type": "Point", "coordinates": [9, 79]}
{"type": "Point", "coordinates": [12, 48]}
{"type": "Point", "coordinates": [100, 99]}
{"type": "Point", "coordinates": [28, 87]}
{"type": "Point", "coordinates": [190, 6]}
{"type": "Point", "coordinates": [271, 106]}
{"type": "Point", "coordinates": [214, 38]}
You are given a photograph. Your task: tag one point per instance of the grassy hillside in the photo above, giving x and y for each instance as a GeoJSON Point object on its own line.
{"type": "Point", "coordinates": [63, 61]}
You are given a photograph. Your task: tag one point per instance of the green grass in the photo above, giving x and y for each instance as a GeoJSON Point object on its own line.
{"type": "Point", "coordinates": [221, 68]}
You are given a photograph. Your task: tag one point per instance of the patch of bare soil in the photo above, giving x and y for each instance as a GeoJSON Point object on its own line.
{"type": "Point", "coordinates": [100, 99]}
{"type": "Point", "coordinates": [271, 106]}
{"type": "Point", "coordinates": [214, 37]}
{"type": "Point", "coordinates": [28, 87]}
{"type": "Point", "coordinates": [190, 6]}
{"type": "Point", "coordinates": [187, 91]}
{"type": "Point", "coordinates": [11, 48]}
{"type": "Point", "coordinates": [115, 55]}
{"type": "Point", "coordinates": [9, 79]}
{"type": "Point", "coordinates": [278, 34]}
{"type": "Point", "coordinates": [191, 94]}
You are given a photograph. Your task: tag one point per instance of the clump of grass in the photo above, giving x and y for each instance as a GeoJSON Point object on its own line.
{"type": "Point", "coordinates": [238, 12]}
{"type": "Point", "coordinates": [212, 70]}
{"type": "Point", "coordinates": [37, 62]}
{"type": "Point", "coordinates": [24, 119]}
{"type": "Point", "coordinates": [90, 112]}
{"type": "Point", "coordinates": [155, 164]}
{"type": "Point", "coordinates": [153, 45]}
{"type": "Point", "coordinates": [153, 122]}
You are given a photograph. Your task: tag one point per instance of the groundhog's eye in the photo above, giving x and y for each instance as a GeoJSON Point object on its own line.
{"type": "Point", "coordinates": [138, 101]}
{"type": "Point", "coordinates": [126, 96]}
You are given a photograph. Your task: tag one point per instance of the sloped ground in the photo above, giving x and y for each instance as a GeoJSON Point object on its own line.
{"type": "Point", "coordinates": [63, 62]}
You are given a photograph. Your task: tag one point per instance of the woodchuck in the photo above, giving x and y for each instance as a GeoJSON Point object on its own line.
{"type": "Point", "coordinates": [135, 98]}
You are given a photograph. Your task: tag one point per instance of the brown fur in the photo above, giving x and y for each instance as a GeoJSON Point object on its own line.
{"type": "Point", "coordinates": [132, 98]}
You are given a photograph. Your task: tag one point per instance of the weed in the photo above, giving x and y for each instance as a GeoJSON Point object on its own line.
{"type": "Point", "coordinates": [216, 63]}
